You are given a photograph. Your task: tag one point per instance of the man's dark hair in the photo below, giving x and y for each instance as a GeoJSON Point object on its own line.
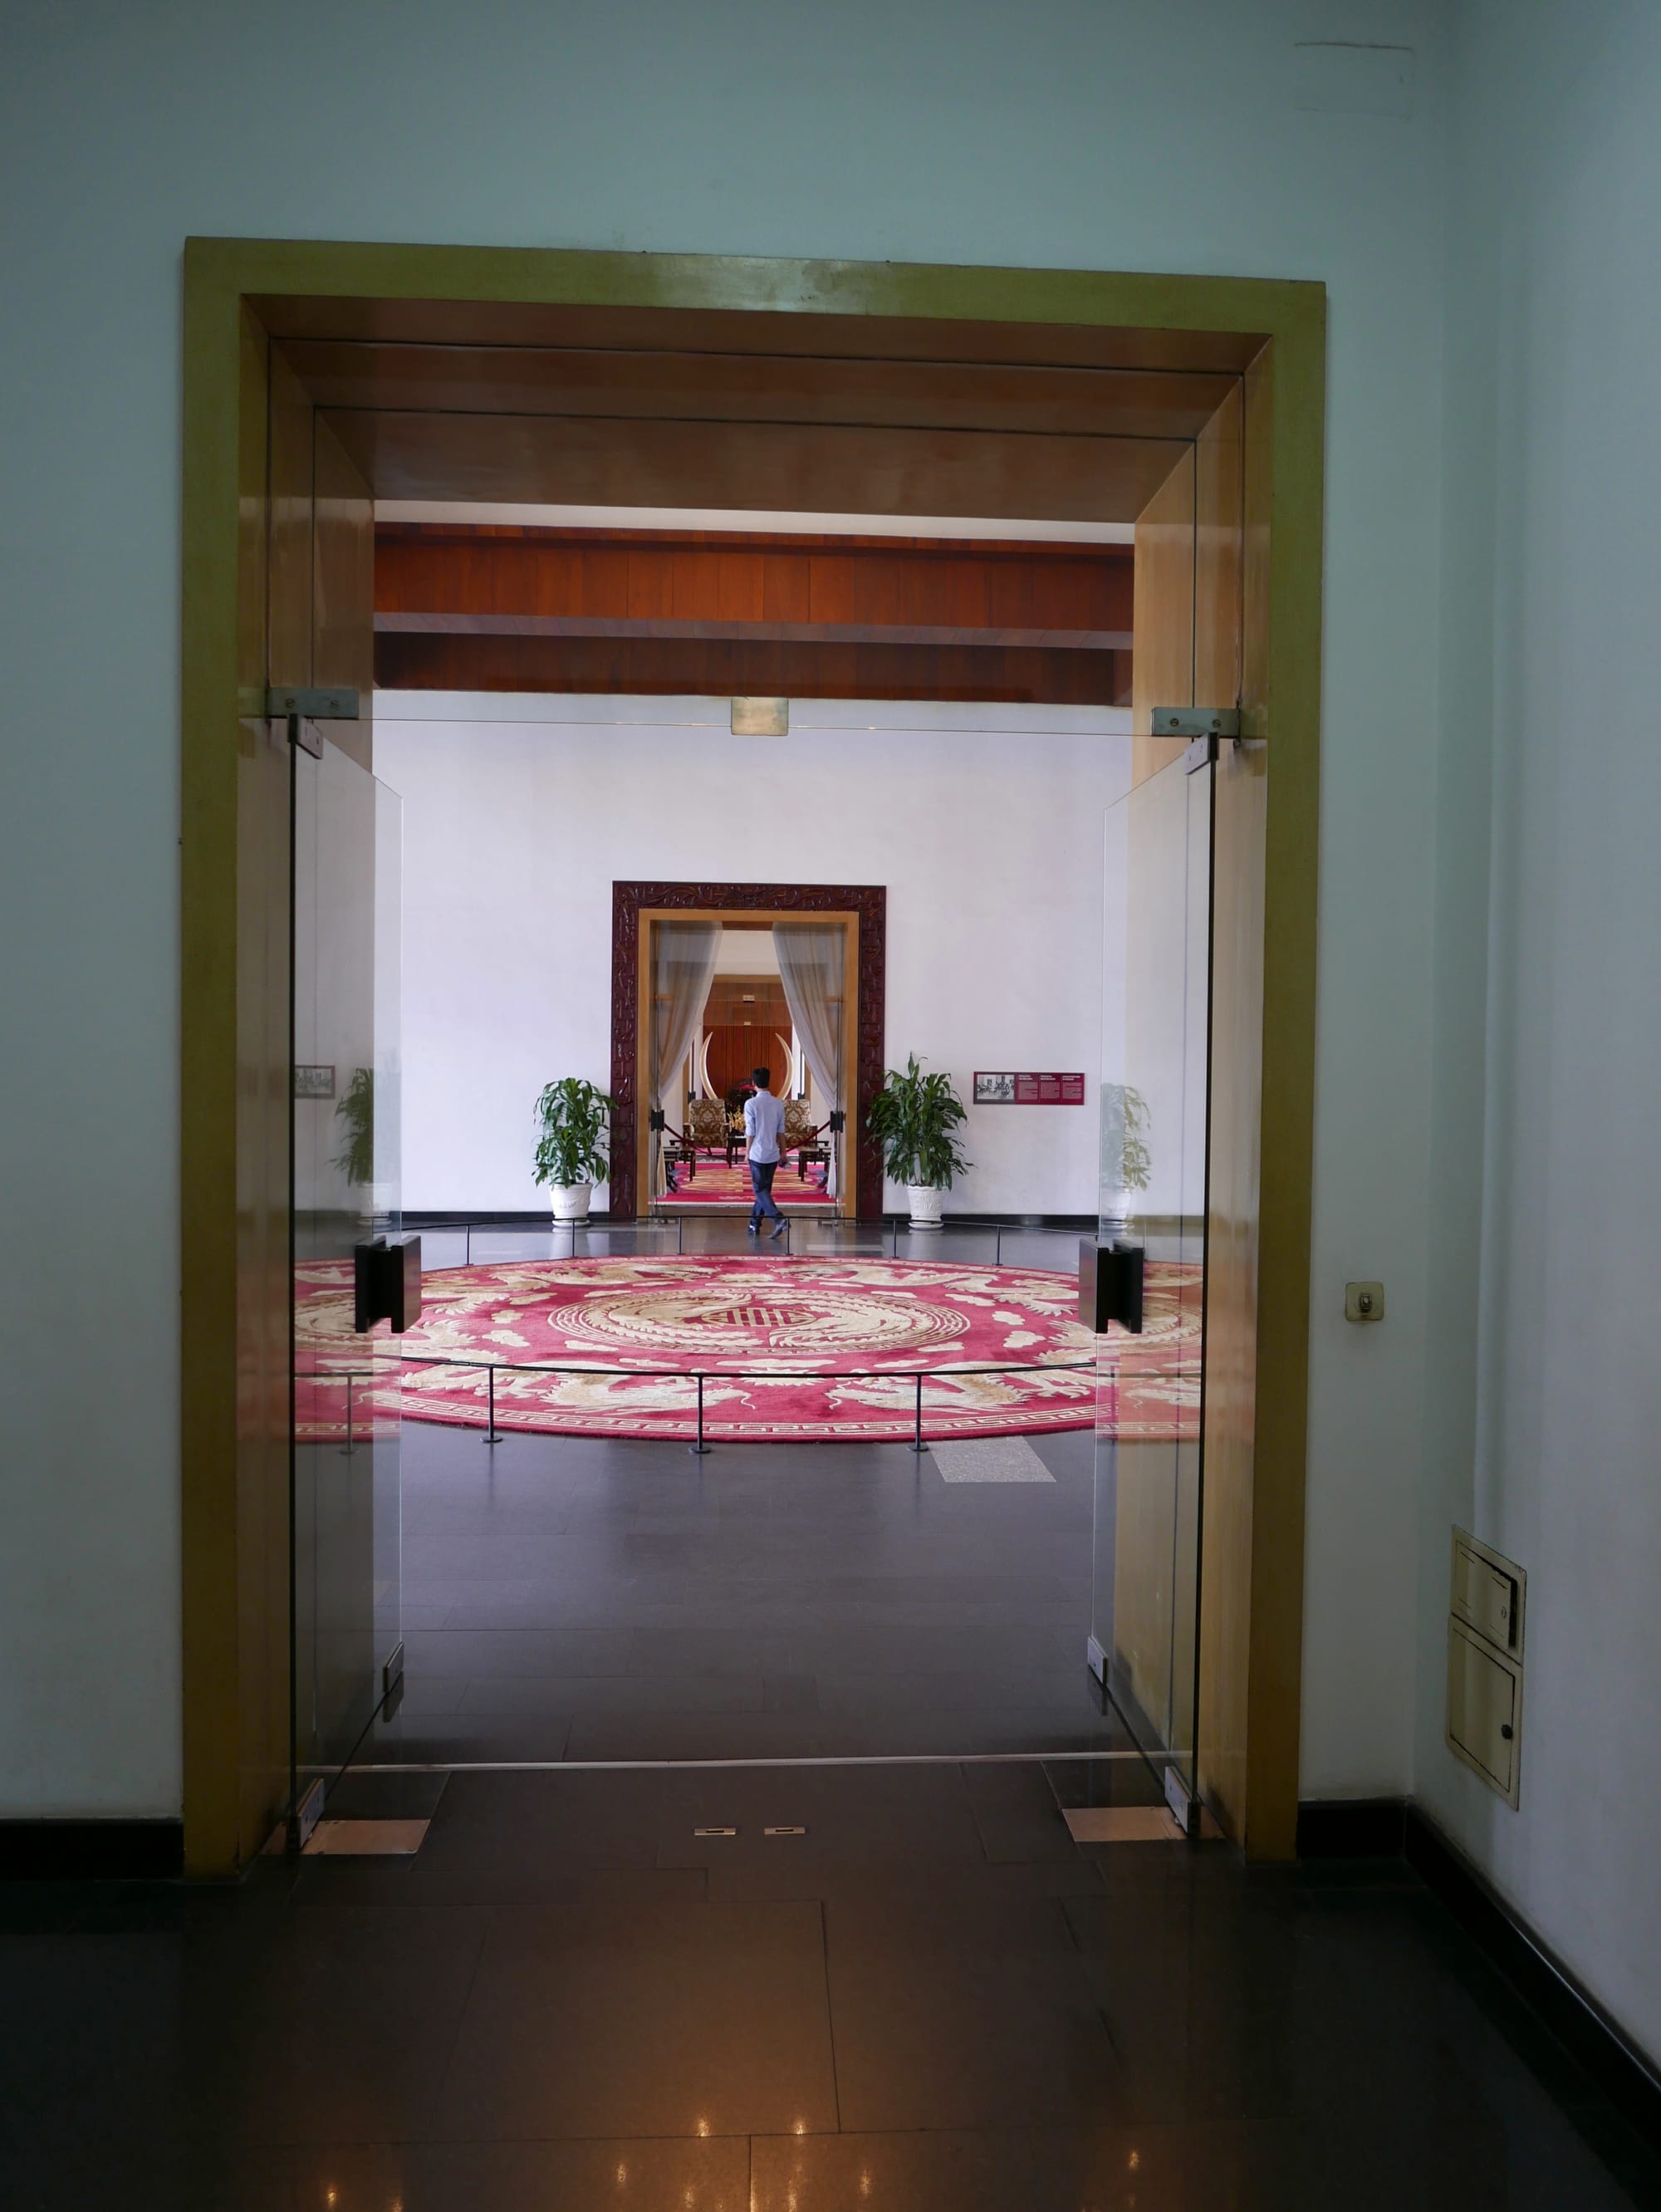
{"type": "Point", "coordinates": [760, 1076]}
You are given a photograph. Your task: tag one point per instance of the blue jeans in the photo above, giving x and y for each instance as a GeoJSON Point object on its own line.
{"type": "Point", "coordinates": [762, 1173]}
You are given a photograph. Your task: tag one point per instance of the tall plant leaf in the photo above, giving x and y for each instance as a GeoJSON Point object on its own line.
{"type": "Point", "coordinates": [574, 1121]}
{"type": "Point", "coordinates": [915, 1118]}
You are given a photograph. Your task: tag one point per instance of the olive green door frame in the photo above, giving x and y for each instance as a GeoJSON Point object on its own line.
{"type": "Point", "coordinates": [231, 1659]}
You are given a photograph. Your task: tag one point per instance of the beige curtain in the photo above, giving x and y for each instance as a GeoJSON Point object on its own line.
{"type": "Point", "coordinates": [683, 954]}
{"type": "Point", "coordinates": [810, 955]}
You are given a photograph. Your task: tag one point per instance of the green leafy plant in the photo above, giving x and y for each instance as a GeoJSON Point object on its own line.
{"type": "Point", "coordinates": [1126, 1162]}
{"type": "Point", "coordinates": [574, 1121]}
{"type": "Point", "coordinates": [355, 1112]}
{"type": "Point", "coordinates": [914, 1118]}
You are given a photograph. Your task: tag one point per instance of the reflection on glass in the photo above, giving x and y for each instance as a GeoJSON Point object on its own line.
{"type": "Point", "coordinates": [1155, 1011]}
{"type": "Point", "coordinates": [346, 1562]}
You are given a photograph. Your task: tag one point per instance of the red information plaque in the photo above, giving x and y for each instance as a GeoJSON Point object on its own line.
{"type": "Point", "coordinates": [1008, 1089]}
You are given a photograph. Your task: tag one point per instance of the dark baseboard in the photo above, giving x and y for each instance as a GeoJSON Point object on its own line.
{"type": "Point", "coordinates": [1624, 2073]}
{"type": "Point", "coordinates": [1393, 1827]}
{"type": "Point", "coordinates": [1352, 1828]}
{"type": "Point", "coordinates": [91, 1850]}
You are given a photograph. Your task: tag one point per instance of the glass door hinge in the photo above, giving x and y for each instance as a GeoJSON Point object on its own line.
{"type": "Point", "coordinates": [299, 704]}
{"type": "Point", "coordinates": [1195, 721]}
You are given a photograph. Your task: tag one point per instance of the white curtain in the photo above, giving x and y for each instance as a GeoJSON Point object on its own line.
{"type": "Point", "coordinates": [810, 968]}
{"type": "Point", "coordinates": [683, 954]}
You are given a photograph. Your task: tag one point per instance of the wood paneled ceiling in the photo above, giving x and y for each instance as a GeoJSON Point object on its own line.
{"type": "Point", "coordinates": [807, 466]}
{"type": "Point", "coordinates": [811, 414]}
{"type": "Point", "coordinates": [816, 413]}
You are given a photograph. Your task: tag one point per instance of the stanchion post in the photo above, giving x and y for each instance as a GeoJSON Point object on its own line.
{"type": "Point", "coordinates": [350, 1447]}
{"type": "Point", "coordinates": [917, 1440]}
{"type": "Point", "coordinates": [493, 1434]}
{"type": "Point", "coordinates": [698, 1448]}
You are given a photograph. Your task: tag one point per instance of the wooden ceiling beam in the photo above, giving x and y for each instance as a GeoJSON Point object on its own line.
{"type": "Point", "coordinates": [935, 591]}
{"type": "Point", "coordinates": [725, 668]}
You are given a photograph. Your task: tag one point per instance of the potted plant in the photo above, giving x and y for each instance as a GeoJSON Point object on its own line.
{"type": "Point", "coordinates": [915, 1117]}
{"type": "Point", "coordinates": [1126, 1162]}
{"type": "Point", "coordinates": [356, 1115]}
{"type": "Point", "coordinates": [573, 1120]}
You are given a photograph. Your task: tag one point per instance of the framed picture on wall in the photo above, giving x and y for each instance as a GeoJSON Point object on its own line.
{"type": "Point", "coordinates": [1023, 1089]}
{"type": "Point", "coordinates": [314, 1082]}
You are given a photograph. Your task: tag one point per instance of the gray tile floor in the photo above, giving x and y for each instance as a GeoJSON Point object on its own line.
{"type": "Point", "coordinates": [932, 1998]}
{"type": "Point", "coordinates": [588, 1599]}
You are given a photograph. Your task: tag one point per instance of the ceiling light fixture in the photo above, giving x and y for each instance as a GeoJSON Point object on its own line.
{"type": "Point", "coordinates": [760, 718]}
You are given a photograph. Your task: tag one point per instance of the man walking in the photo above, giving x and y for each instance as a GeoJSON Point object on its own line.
{"type": "Point", "coordinates": [764, 1117]}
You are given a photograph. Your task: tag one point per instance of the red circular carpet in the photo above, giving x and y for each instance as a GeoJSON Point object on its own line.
{"type": "Point", "coordinates": [820, 1348]}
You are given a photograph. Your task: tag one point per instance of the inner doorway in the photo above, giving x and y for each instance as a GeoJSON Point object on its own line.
{"type": "Point", "coordinates": [731, 977]}
{"type": "Point", "coordinates": [749, 1018]}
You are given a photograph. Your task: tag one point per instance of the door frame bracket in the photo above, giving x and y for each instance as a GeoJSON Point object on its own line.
{"type": "Point", "coordinates": [298, 704]}
{"type": "Point", "coordinates": [1195, 721]}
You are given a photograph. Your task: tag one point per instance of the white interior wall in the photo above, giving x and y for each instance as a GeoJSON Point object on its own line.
{"type": "Point", "coordinates": [1544, 1398]}
{"type": "Point", "coordinates": [989, 845]}
{"type": "Point", "coordinates": [1055, 135]}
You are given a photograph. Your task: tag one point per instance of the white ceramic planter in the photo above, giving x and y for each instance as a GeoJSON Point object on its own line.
{"type": "Point", "coordinates": [925, 1202]}
{"type": "Point", "coordinates": [569, 1200]}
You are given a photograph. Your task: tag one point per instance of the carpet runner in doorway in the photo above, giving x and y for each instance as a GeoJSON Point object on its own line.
{"type": "Point", "coordinates": [718, 1185]}
{"type": "Point", "coordinates": [820, 1349]}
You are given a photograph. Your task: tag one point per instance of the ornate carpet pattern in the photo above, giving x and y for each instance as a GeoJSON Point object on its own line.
{"type": "Point", "coordinates": [820, 1348]}
{"type": "Point", "coordinates": [718, 1185]}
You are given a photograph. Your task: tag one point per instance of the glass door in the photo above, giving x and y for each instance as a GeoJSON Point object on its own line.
{"type": "Point", "coordinates": [1157, 971]}
{"type": "Point", "coordinates": [346, 1538]}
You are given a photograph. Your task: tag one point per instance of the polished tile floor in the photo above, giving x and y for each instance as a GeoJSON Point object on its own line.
{"type": "Point", "coordinates": [930, 1998]}
{"type": "Point", "coordinates": [585, 1598]}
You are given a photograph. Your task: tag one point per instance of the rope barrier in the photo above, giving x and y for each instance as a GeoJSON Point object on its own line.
{"type": "Point", "coordinates": [696, 1375]}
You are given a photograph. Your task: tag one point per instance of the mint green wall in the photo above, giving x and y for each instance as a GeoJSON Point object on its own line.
{"type": "Point", "coordinates": [1159, 135]}
{"type": "Point", "coordinates": [1544, 1385]}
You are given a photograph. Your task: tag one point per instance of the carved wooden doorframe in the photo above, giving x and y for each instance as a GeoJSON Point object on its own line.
{"type": "Point", "coordinates": [869, 901]}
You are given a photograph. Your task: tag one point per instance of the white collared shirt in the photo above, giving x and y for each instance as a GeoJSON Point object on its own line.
{"type": "Point", "coordinates": [764, 1117]}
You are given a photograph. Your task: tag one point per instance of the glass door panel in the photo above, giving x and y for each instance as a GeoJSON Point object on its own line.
{"type": "Point", "coordinates": [347, 1541]}
{"type": "Point", "coordinates": [1155, 1017]}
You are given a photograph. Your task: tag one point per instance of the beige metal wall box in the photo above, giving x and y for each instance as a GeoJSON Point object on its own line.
{"type": "Point", "coordinates": [1484, 1710]}
{"type": "Point", "coordinates": [1487, 1592]}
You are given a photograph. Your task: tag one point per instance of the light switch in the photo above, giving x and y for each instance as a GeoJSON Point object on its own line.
{"type": "Point", "coordinates": [1363, 1301]}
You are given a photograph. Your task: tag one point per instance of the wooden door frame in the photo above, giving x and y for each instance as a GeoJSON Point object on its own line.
{"type": "Point", "coordinates": [862, 908]}
{"type": "Point", "coordinates": [1166, 320]}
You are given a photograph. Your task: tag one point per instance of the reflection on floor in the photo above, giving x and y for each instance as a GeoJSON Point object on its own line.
{"type": "Point", "coordinates": [584, 1598]}
{"type": "Point", "coordinates": [925, 1997]}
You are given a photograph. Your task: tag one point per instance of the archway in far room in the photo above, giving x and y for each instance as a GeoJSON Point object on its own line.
{"type": "Point", "coordinates": [861, 912]}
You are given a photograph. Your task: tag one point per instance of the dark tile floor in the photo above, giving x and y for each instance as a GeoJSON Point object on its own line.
{"type": "Point", "coordinates": [932, 1998]}
{"type": "Point", "coordinates": [583, 1599]}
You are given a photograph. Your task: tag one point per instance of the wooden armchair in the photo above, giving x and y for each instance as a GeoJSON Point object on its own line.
{"type": "Point", "coordinates": [801, 1136]}
{"type": "Point", "coordinates": [679, 1152]}
{"type": "Point", "coordinates": [708, 1128]}
{"type": "Point", "coordinates": [706, 1131]}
